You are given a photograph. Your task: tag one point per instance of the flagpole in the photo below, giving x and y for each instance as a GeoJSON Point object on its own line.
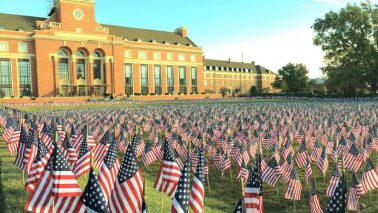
{"type": "Point", "coordinates": [162, 194]}
{"type": "Point", "coordinates": [208, 168]}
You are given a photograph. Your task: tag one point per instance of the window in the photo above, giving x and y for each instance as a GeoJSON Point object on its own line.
{"type": "Point", "coordinates": [5, 78]}
{"type": "Point", "coordinates": [156, 56]}
{"type": "Point", "coordinates": [205, 83]}
{"type": "Point", "coordinates": [144, 78]}
{"type": "Point", "coordinates": [181, 57]}
{"type": "Point", "coordinates": [97, 66]}
{"type": "Point", "coordinates": [182, 79]}
{"type": "Point", "coordinates": [22, 47]}
{"type": "Point", "coordinates": [127, 53]}
{"type": "Point", "coordinates": [193, 74]}
{"type": "Point", "coordinates": [63, 64]}
{"type": "Point", "coordinates": [3, 46]}
{"type": "Point", "coordinates": [157, 77]}
{"type": "Point", "coordinates": [128, 71]}
{"type": "Point", "coordinates": [170, 80]}
{"type": "Point", "coordinates": [170, 56]}
{"type": "Point", "coordinates": [24, 77]}
{"type": "Point", "coordinates": [142, 55]}
{"type": "Point", "coordinates": [193, 58]}
{"type": "Point", "coordinates": [81, 69]}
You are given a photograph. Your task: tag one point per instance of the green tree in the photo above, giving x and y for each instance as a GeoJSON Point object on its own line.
{"type": "Point", "coordinates": [349, 39]}
{"type": "Point", "coordinates": [292, 78]}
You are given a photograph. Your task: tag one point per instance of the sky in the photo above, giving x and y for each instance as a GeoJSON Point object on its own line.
{"type": "Point", "coordinates": [272, 33]}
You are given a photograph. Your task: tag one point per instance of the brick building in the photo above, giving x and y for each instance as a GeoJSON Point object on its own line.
{"type": "Point", "coordinates": [69, 54]}
{"type": "Point", "coordinates": [237, 77]}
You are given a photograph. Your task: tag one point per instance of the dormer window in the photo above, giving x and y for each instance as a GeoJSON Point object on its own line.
{"type": "Point", "coordinates": [139, 40]}
{"type": "Point", "coordinates": [20, 29]}
{"type": "Point", "coordinates": [166, 42]}
{"type": "Point", "coordinates": [153, 41]}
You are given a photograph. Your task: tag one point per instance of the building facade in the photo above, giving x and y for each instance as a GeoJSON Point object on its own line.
{"type": "Point", "coordinates": [69, 54]}
{"type": "Point", "coordinates": [236, 77]}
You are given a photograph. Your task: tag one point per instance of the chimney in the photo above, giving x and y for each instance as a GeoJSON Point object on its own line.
{"type": "Point", "coordinates": [229, 60]}
{"type": "Point", "coordinates": [253, 63]}
{"type": "Point", "coordinates": [182, 31]}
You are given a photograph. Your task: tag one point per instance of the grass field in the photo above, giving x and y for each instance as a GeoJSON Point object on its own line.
{"type": "Point", "coordinates": [224, 191]}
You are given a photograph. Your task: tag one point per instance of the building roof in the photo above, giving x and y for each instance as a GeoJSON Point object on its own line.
{"type": "Point", "coordinates": [241, 65]}
{"type": "Point", "coordinates": [28, 24]}
{"type": "Point", "coordinates": [14, 22]}
{"type": "Point", "coordinates": [318, 81]}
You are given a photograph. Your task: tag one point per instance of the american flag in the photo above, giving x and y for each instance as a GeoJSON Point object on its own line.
{"type": "Point", "coordinates": [356, 190]}
{"type": "Point", "coordinates": [334, 153]}
{"type": "Point", "coordinates": [338, 201]}
{"type": "Point", "coordinates": [308, 172]}
{"type": "Point", "coordinates": [127, 195]}
{"type": "Point", "coordinates": [226, 164]}
{"type": "Point", "coordinates": [243, 173]}
{"type": "Point", "coordinates": [301, 158]}
{"type": "Point", "coordinates": [272, 173]}
{"type": "Point", "coordinates": [288, 148]}
{"type": "Point", "coordinates": [48, 135]}
{"type": "Point", "coordinates": [323, 162]}
{"type": "Point", "coordinates": [294, 188]}
{"type": "Point", "coordinates": [64, 181]}
{"type": "Point", "coordinates": [315, 154]}
{"type": "Point", "coordinates": [100, 151]}
{"type": "Point", "coordinates": [314, 200]}
{"type": "Point", "coordinates": [287, 166]}
{"type": "Point", "coordinates": [19, 162]}
{"type": "Point", "coordinates": [336, 174]}
{"type": "Point", "coordinates": [180, 202]}
{"type": "Point", "coordinates": [353, 159]}
{"type": "Point", "coordinates": [169, 172]}
{"type": "Point", "coordinates": [108, 171]}
{"type": "Point", "coordinates": [93, 197]}
{"type": "Point", "coordinates": [149, 155]}
{"type": "Point", "coordinates": [8, 131]}
{"type": "Point", "coordinates": [218, 160]}
{"type": "Point", "coordinates": [240, 207]}
{"type": "Point", "coordinates": [30, 151]}
{"type": "Point", "coordinates": [82, 165]}
{"type": "Point", "coordinates": [56, 180]}
{"type": "Point", "coordinates": [14, 139]}
{"type": "Point", "coordinates": [38, 165]}
{"type": "Point", "coordinates": [69, 151]}
{"type": "Point", "coordinates": [253, 194]}
{"type": "Point", "coordinates": [197, 195]}
{"type": "Point", "coordinates": [369, 179]}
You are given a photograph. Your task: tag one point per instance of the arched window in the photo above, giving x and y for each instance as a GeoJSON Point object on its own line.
{"type": "Point", "coordinates": [64, 69]}
{"type": "Point", "coordinates": [81, 68]}
{"type": "Point", "coordinates": [98, 72]}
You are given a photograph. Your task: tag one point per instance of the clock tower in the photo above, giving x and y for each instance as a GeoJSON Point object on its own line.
{"type": "Point", "coordinates": [75, 16]}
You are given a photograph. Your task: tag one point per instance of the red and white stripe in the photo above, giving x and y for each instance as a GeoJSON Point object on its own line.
{"type": "Point", "coordinates": [197, 196]}
{"type": "Point", "coordinates": [127, 196]}
{"type": "Point", "coordinates": [253, 200]}
{"type": "Point", "coordinates": [168, 177]}
{"type": "Point", "coordinates": [107, 178]}
{"type": "Point", "coordinates": [82, 165]}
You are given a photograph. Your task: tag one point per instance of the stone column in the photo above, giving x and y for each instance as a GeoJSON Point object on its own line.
{"type": "Point", "coordinates": [164, 80]}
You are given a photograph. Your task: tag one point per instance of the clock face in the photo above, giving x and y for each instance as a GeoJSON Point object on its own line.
{"type": "Point", "coordinates": [78, 14]}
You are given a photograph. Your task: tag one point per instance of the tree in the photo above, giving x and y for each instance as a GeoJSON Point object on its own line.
{"type": "Point", "coordinates": [292, 78]}
{"type": "Point", "coordinates": [349, 39]}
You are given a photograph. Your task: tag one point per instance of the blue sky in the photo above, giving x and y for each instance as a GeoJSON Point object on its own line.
{"type": "Point", "coordinates": [270, 32]}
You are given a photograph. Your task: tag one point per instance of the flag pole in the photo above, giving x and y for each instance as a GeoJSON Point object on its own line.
{"type": "Point", "coordinates": [208, 168]}
{"type": "Point", "coordinates": [162, 194]}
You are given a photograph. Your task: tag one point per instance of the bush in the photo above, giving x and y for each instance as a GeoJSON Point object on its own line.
{"type": "Point", "coordinates": [137, 94]}
{"type": "Point", "coordinates": [202, 93]}
{"type": "Point", "coordinates": [166, 93]}
{"type": "Point", "coordinates": [179, 93]}
{"type": "Point", "coordinates": [152, 93]}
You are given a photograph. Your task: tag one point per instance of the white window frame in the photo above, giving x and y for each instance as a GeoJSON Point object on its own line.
{"type": "Point", "coordinates": [169, 56]}
{"type": "Point", "coordinates": [142, 55]}
{"type": "Point", "coordinates": [156, 55]}
{"type": "Point", "coordinates": [193, 58]}
{"type": "Point", "coordinates": [181, 57]}
{"type": "Point", "coordinates": [127, 53]}
{"type": "Point", "coordinates": [25, 46]}
{"type": "Point", "coordinates": [6, 49]}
